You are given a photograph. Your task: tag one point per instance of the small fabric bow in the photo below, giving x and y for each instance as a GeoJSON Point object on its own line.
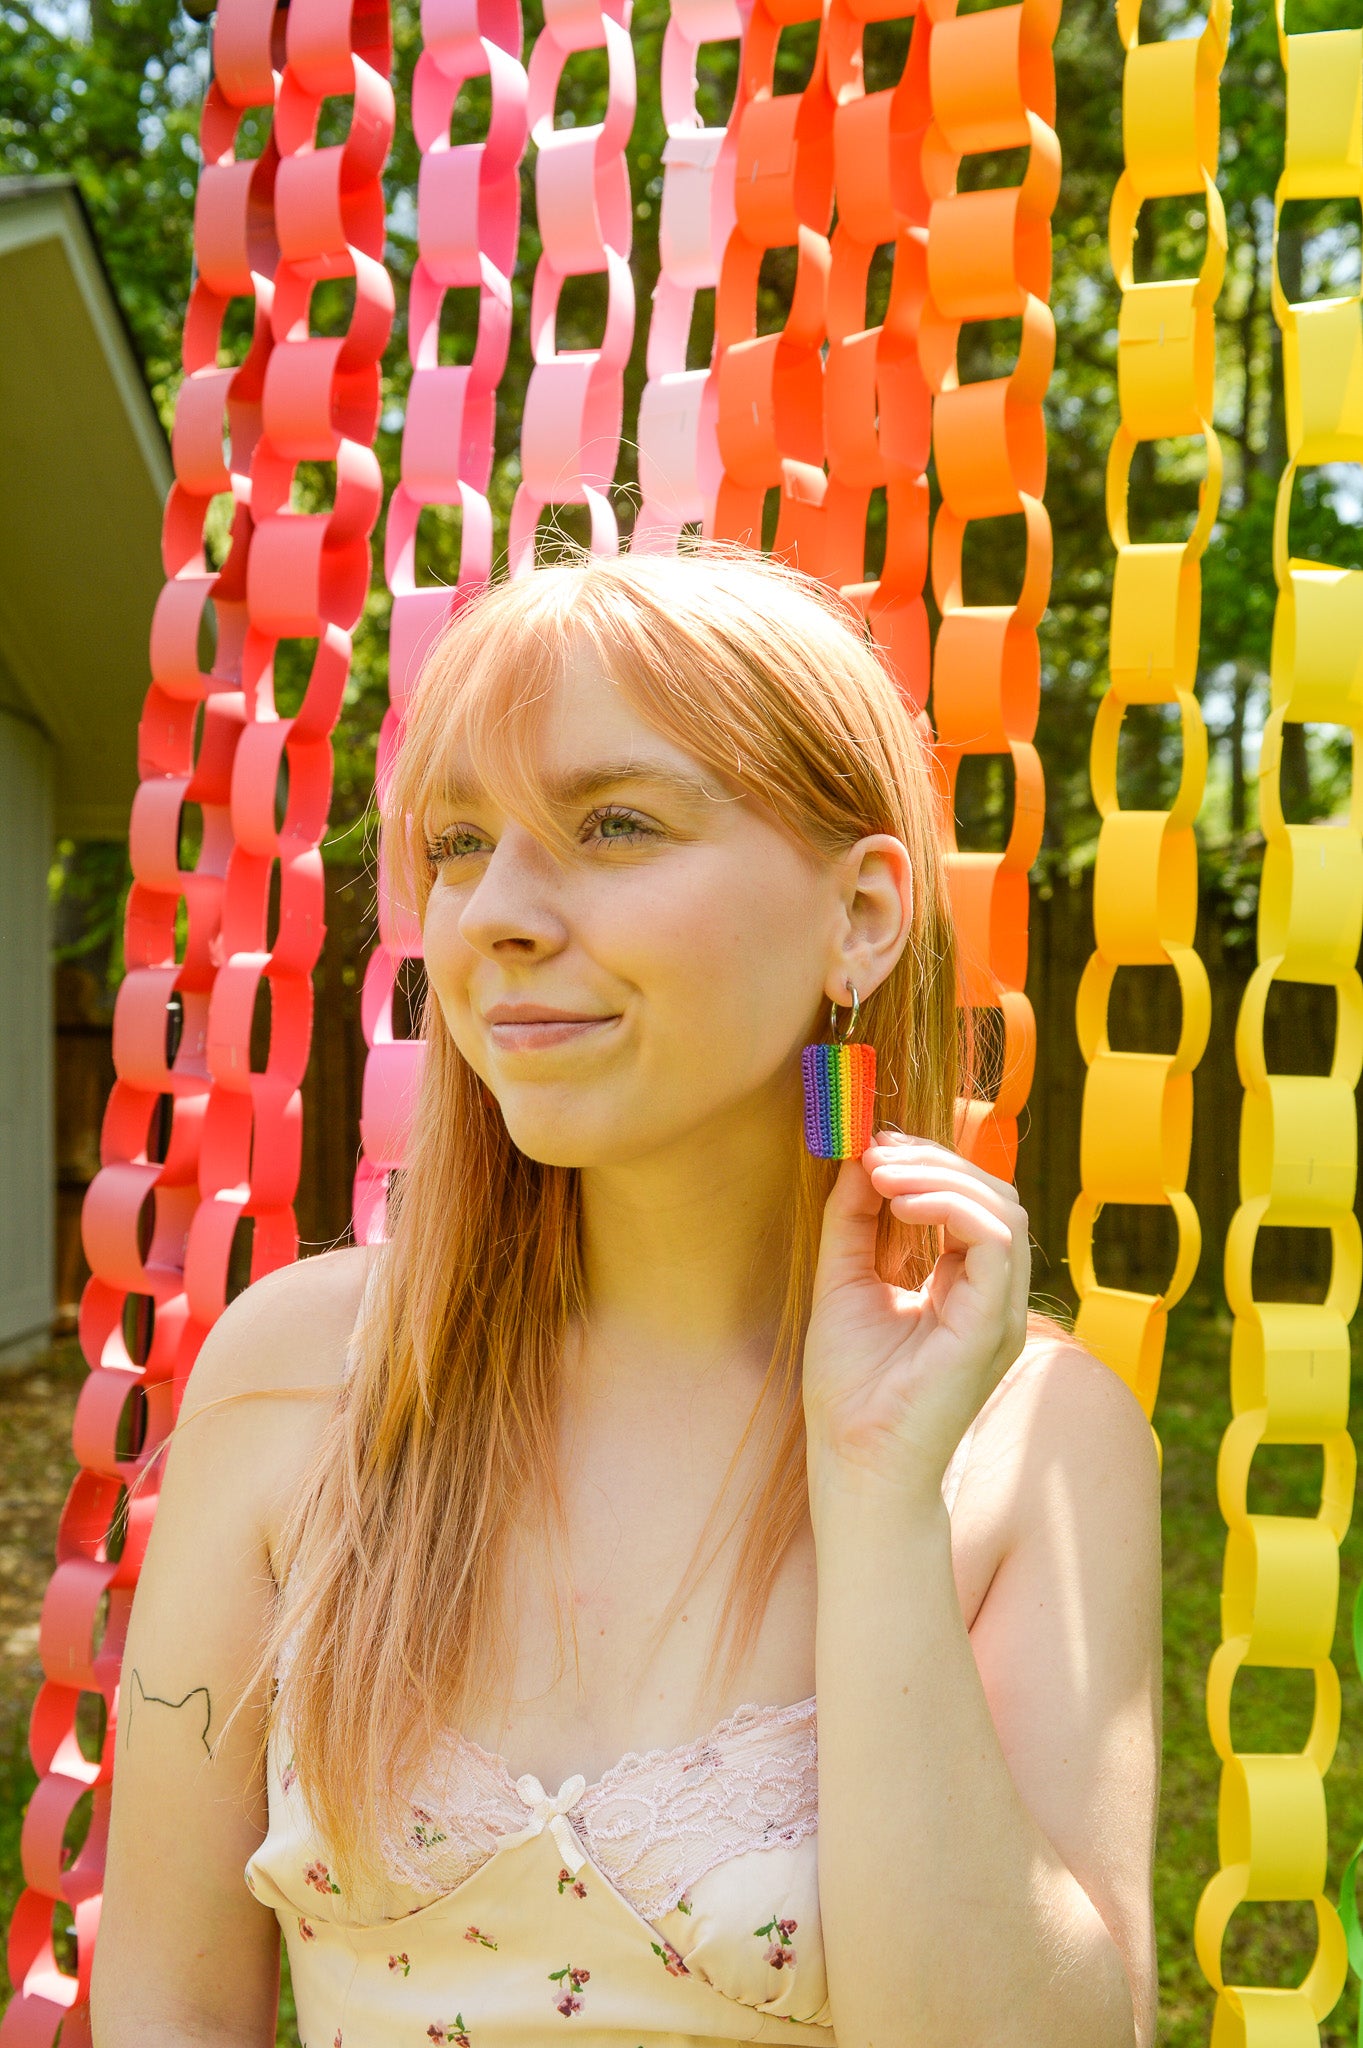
{"type": "Point", "coordinates": [551, 1811]}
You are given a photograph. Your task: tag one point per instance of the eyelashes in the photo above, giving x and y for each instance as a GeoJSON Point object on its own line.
{"type": "Point", "coordinates": [443, 849]}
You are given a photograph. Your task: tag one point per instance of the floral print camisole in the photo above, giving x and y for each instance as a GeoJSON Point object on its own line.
{"type": "Point", "coordinates": [672, 1903]}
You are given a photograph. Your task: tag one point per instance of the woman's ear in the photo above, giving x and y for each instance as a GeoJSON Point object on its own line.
{"type": "Point", "coordinates": [877, 895]}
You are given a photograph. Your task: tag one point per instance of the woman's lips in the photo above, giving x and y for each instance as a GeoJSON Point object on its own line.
{"type": "Point", "coordinates": [536, 1035]}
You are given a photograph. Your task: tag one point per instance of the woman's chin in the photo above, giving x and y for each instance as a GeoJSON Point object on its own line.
{"type": "Point", "coordinates": [567, 1144]}
{"type": "Point", "coordinates": [585, 1142]}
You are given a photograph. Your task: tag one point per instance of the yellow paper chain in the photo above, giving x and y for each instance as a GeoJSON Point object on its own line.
{"type": "Point", "coordinates": [1290, 1360]}
{"type": "Point", "coordinates": [1136, 1130]}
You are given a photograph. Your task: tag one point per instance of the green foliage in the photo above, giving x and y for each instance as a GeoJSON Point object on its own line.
{"type": "Point", "coordinates": [108, 91]}
{"type": "Point", "coordinates": [87, 887]}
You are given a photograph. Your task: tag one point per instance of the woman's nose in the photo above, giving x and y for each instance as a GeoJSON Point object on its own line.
{"type": "Point", "coordinates": [513, 907]}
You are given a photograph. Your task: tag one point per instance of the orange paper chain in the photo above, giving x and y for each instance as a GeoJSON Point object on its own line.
{"type": "Point", "coordinates": [877, 407]}
{"type": "Point", "coordinates": [770, 386]}
{"type": "Point", "coordinates": [992, 87]}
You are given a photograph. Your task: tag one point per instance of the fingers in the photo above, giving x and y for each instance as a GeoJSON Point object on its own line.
{"type": "Point", "coordinates": [904, 1173]}
{"type": "Point", "coordinates": [847, 1247]}
{"type": "Point", "coordinates": [927, 1183]}
{"type": "Point", "coordinates": [968, 1222]}
{"type": "Point", "coordinates": [896, 1146]}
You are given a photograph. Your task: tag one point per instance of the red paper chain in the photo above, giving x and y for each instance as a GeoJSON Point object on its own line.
{"type": "Point", "coordinates": [194, 1138]}
{"type": "Point", "coordinates": [134, 1319]}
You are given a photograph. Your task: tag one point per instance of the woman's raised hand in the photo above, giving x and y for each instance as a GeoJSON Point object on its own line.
{"type": "Point", "coordinates": [893, 1377]}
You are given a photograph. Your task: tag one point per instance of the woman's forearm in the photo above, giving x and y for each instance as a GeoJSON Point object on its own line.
{"type": "Point", "coordinates": [949, 1919]}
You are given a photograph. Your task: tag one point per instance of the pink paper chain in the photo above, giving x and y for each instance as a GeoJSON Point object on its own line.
{"type": "Point", "coordinates": [468, 225]}
{"type": "Point", "coordinates": [574, 402]}
{"type": "Point", "coordinates": [308, 576]}
{"type": "Point", "coordinates": [679, 465]}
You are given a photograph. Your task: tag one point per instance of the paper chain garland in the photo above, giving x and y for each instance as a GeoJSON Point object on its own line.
{"type": "Point", "coordinates": [468, 226]}
{"type": "Point", "coordinates": [770, 386]}
{"type": "Point", "coordinates": [196, 1138]}
{"type": "Point", "coordinates": [196, 1141]}
{"type": "Point", "coordinates": [1137, 1123]}
{"type": "Point", "coordinates": [1298, 1164]}
{"type": "Point", "coordinates": [992, 86]}
{"type": "Point", "coordinates": [877, 410]}
{"type": "Point", "coordinates": [986, 82]}
{"type": "Point", "coordinates": [574, 404]}
{"type": "Point", "coordinates": [678, 444]}
{"type": "Point", "coordinates": [134, 1313]}
{"type": "Point", "coordinates": [134, 1310]}
{"type": "Point", "coordinates": [783, 409]}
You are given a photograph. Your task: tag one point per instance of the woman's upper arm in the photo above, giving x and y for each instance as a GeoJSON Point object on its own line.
{"type": "Point", "coordinates": [1069, 1641]}
{"type": "Point", "coordinates": [184, 1951]}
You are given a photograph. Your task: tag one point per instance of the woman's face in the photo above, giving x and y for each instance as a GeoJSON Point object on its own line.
{"type": "Point", "coordinates": [661, 975]}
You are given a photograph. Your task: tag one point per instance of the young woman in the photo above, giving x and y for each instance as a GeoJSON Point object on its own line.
{"type": "Point", "coordinates": [760, 1428]}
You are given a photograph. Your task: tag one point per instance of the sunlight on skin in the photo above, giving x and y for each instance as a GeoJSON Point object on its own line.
{"type": "Point", "coordinates": [696, 943]}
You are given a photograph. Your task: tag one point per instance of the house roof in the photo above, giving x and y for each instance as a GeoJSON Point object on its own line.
{"type": "Point", "coordinates": [84, 470]}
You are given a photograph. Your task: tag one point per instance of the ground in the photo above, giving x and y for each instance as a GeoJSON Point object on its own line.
{"type": "Point", "coordinates": [1266, 1944]}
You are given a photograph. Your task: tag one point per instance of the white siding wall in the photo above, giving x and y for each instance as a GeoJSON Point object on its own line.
{"type": "Point", "coordinates": [26, 1119]}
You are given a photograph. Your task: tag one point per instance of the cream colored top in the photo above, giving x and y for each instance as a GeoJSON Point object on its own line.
{"type": "Point", "coordinates": [675, 1901]}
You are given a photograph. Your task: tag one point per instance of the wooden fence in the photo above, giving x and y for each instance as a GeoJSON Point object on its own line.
{"type": "Point", "coordinates": [1135, 1244]}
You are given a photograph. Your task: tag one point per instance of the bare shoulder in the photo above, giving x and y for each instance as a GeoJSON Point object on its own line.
{"type": "Point", "coordinates": [289, 1329]}
{"type": "Point", "coordinates": [285, 1335]}
{"type": "Point", "coordinates": [1060, 1424]}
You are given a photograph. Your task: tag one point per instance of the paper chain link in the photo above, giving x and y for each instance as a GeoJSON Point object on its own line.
{"type": "Point", "coordinates": [770, 386]}
{"type": "Point", "coordinates": [877, 408]}
{"type": "Point", "coordinates": [1137, 1124]}
{"type": "Point", "coordinates": [194, 1140]}
{"type": "Point", "coordinates": [992, 86]}
{"type": "Point", "coordinates": [1298, 1164]}
{"type": "Point", "coordinates": [574, 403]}
{"type": "Point", "coordinates": [468, 227]}
{"type": "Point", "coordinates": [679, 466]}
{"type": "Point", "coordinates": [150, 1144]}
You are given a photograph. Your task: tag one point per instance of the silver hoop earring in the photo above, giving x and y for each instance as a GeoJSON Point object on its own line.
{"type": "Point", "coordinates": [841, 1037]}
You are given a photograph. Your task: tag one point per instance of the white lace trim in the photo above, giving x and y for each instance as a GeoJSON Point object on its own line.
{"type": "Point", "coordinates": [449, 1833]}
{"type": "Point", "coordinates": [654, 1823]}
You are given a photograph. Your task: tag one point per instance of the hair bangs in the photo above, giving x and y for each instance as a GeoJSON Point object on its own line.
{"type": "Point", "coordinates": [472, 726]}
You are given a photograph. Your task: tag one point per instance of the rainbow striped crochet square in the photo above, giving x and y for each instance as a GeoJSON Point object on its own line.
{"type": "Point", "coordinates": [840, 1099]}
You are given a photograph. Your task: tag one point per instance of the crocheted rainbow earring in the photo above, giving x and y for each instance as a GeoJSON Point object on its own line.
{"type": "Point", "coordinates": [840, 1091]}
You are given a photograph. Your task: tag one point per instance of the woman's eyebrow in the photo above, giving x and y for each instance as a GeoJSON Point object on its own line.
{"type": "Point", "coordinates": [576, 786]}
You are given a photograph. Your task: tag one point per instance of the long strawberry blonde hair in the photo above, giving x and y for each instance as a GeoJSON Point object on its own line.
{"type": "Point", "coordinates": [442, 1436]}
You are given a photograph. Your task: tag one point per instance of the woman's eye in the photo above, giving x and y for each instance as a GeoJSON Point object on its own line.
{"type": "Point", "coordinates": [612, 826]}
{"type": "Point", "coordinates": [453, 843]}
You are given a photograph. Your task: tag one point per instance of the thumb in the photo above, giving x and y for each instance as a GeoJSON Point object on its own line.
{"type": "Point", "coordinates": [847, 1247]}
